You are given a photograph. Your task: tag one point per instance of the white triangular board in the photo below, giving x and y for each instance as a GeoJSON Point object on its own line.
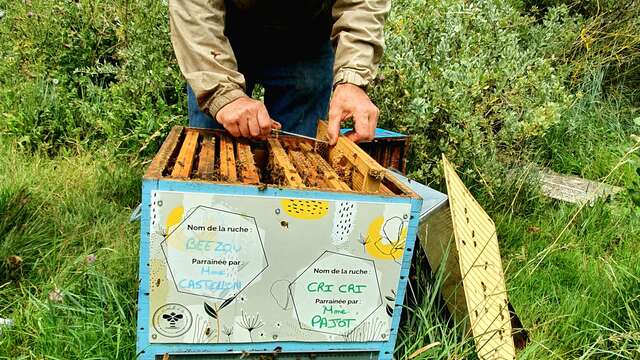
{"type": "Point", "coordinates": [481, 269]}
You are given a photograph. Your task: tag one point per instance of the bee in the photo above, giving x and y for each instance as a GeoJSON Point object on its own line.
{"type": "Point", "coordinates": [284, 224]}
{"type": "Point", "coordinates": [172, 318]}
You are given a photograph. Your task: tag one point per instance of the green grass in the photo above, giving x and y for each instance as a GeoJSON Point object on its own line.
{"type": "Point", "coordinates": [573, 271]}
{"type": "Point", "coordinates": [56, 212]}
{"type": "Point", "coordinates": [88, 90]}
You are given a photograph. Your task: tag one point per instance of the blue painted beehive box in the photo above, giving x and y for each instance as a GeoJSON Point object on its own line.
{"type": "Point", "coordinates": [271, 248]}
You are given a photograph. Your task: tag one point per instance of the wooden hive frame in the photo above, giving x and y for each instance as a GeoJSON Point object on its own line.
{"type": "Point", "coordinates": [190, 154]}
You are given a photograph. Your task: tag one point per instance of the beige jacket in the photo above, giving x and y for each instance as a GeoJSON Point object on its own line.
{"type": "Point", "coordinates": [208, 63]}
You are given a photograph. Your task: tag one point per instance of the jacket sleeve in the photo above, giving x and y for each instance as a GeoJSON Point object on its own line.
{"type": "Point", "coordinates": [204, 53]}
{"type": "Point", "coordinates": [358, 38]}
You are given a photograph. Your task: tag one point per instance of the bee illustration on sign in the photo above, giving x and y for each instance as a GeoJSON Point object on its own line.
{"type": "Point", "coordinates": [172, 320]}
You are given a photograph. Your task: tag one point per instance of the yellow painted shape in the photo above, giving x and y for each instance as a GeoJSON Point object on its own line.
{"type": "Point", "coordinates": [174, 218]}
{"type": "Point", "coordinates": [381, 248]}
{"type": "Point", "coordinates": [305, 209]}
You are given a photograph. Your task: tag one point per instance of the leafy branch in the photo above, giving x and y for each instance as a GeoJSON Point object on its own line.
{"type": "Point", "coordinates": [214, 311]}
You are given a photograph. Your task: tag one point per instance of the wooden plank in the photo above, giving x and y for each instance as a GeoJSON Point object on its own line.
{"type": "Point", "coordinates": [385, 190]}
{"type": "Point", "coordinates": [481, 271]}
{"type": "Point", "coordinates": [227, 159]}
{"type": "Point", "coordinates": [184, 162]}
{"type": "Point", "coordinates": [386, 156]}
{"type": "Point", "coordinates": [357, 178]}
{"type": "Point", "coordinates": [246, 164]}
{"type": "Point", "coordinates": [160, 161]}
{"type": "Point", "coordinates": [573, 189]}
{"type": "Point", "coordinates": [282, 170]}
{"type": "Point", "coordinates": [395, 157]}
{"type": "Point", "coordinates": [405, 154]}
{"type": "Point", "coordinates": [206, 163]}
{"type": "Point", "coordinates": [378, 150]}
{"type": "Point", "coordinates": [398, 187]}
{"type": "Point", "coordinates": [371, 172]}
{"type": "Point", "coordinates": [330, 176]}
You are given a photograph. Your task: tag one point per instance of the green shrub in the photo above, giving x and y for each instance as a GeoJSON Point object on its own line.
{"type": "Point", "coordinates": [470, 79]}
{"type": "Point", "coordinates": [609, 39]}
{"type": "Point", "coordinates": [87, 72]}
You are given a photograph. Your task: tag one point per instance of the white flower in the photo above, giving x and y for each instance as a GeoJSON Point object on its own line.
{"type": "Point", "coordinates": [91, 258]}
{"type": "Point", "coordinates": [56, 295]}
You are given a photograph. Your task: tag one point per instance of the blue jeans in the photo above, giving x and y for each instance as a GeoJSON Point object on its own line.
{"type": "Point", "coordinates": [297, 93]}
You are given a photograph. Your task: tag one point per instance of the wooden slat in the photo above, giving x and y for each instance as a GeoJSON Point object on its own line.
{"type": "Point", "coordinates": [246, 163]}
{"type": "Point", "coordinates": [371, 172]}
{"type": "Point", "coordinates": [184, 162]}
{"type": "Point", "coordinates": [385, 190]}
{"type": "Point", "coordinates": [331, 178]}
{"type": "Point", "coordinates": [161, 159]}
{"type": "Point", "coordinates": [395, 157]}
{"type": "Point", "coordinates": [396, 186]}
{"type": "Point", "coordinates": [206, 163]}
{"type": "Point", "coordinates": [405, 154]}
{"type": "Point", "coordinates": [357, 179]}
{"type": "Point", "coordinates": [376, 153]}
{"type": "Point", "coordinates": [280, 163]}
{"type": "Point", "coordinates": [386, 156]}
{"type": "Point", "coordinates": [307, 169]}
{"type": "Point", "coordinates": [227, 159]}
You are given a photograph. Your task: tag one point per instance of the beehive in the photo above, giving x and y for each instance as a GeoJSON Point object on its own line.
{"type": "Point", "coordinates": [271, 247]}
{"type": "Point", "coordinates": [389, 148]}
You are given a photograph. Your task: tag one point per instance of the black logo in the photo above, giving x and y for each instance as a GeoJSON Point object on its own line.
{"type": "Point", "coordinates": [172, 320]}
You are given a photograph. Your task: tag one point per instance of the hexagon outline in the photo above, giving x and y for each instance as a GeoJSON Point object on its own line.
{"type": "Point", "coordinates": [190, 213]}
{"type": "Point", "coordinates": [363, 320]}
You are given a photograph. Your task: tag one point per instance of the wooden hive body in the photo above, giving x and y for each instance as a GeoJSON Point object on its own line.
{"type": "Point", "coordinates": [271, 247]}
{"type": "Point", "coordinates": [389, 148]}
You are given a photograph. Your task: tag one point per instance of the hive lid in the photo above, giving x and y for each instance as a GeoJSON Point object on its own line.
{"type": "Point", "coordinates": [380, 134]}
{"type": "Point", "coordinates": [481, 269]}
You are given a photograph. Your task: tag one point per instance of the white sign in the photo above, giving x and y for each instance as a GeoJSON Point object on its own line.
{"type": "Point", "coordinates": [237, 269]}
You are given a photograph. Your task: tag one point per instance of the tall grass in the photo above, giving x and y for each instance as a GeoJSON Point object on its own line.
{"type": "Point", "coordinates": [55, 214]}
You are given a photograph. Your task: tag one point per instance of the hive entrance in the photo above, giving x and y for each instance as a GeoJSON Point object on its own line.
{"type": "Point", "coordinates": [284, 161]}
